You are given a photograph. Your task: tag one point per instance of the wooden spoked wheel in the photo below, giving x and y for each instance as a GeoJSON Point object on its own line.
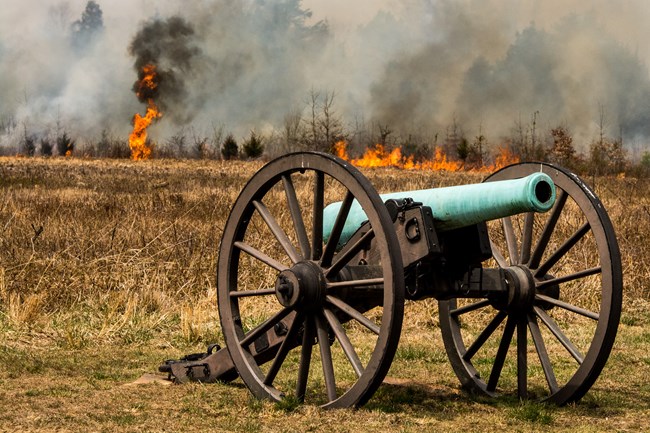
{"type": "Point", "coordinates": [296, 323]}
{"type": "Point", "coordinates": [550, 337]}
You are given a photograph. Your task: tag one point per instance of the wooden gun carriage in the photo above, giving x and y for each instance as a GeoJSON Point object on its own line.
{"type": "Point", "coordinates": [315, 267]}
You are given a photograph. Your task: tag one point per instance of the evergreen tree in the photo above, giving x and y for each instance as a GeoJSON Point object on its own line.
{"type": "Point", "coordinates": [85, 30]}
{"type": "Point", "coordinates": [253, 147]}
{"type": "Point", "coordinates": [64, 144]}
{"type": "Point", "coordinates": [29, 145]}
{"type": "Point", "coordinates": [46, 147]}
{"type": "Point", "coordinates": [229, 150]}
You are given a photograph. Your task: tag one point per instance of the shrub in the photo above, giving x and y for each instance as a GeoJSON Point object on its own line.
{"type": "Point", "coordinates": [229, 150]}
{"type": "Point", "coordinates": [253, 147]}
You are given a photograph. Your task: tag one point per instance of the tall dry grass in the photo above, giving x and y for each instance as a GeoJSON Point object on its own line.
{"type": "Point", "coordinates": [103, 250]}
{"type": "Point", "coordinates": [100, 251]}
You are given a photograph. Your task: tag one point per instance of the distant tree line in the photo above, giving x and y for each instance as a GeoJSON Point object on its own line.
{"type": "Point", "coordinates": [319, 126]}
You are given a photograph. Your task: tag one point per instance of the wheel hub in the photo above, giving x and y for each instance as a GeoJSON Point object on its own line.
{"type": "Point", "coordinates": [521, 289]}
{"type": "Point", "coordinates": [301, 287]}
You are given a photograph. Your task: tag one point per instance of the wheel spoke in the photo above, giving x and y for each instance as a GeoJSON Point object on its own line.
{"type": "Point", "coordinates": [540, 347]}
{"type": "Point", "coordinates": [567, 306]}
{"type": "Point", "coordinates": [296, 216]}
{"type": "Point", "coordinates": [337, 229]}
{"type": "Point", "coordinates": [522, 358]}
{"type": "Point", "coordinates": [557, 255]}
{"type": "Point", "coordinates": [305, 359]}
{"type": "Point", "coordinates": [344, 257]}
{"type": "Point", "coordinates": [470, 307]}
{"type": "Point", "coordinates": [344, 341]}
{"type": "Point", "coordinates": [570, 277]}
{"type": "Point", "coordinates": [319, 206]}
{"type": "Point", "coordinates": [286, 345]}
{"type": "Point", "coordinates": [268, 324]}
{"type": "Point", "coordinates": [247, 293]}
{"type": "Point", "coordinates": [549, 227]}
{"type": "Point", "coordinates": [527, 238]}
{"type": "Point", "coordinates": [356, 315]}
{"type": "Point", "coordinates": [277, 231]}
{"type": "Point", "coordinates": [356, 283]}
{"type": "Point", "coordinates": [501, 261]}
{"type": "Point", "coordinates": [500, 358]}
{"type": "Point", "coordinates": [555, 329]}
{"type": "Point", "coordinates": [483, 336]}
{"type": "Point", "coordinates": [255, 253]}
{"type": "Point", "coordinates": [511, 239]}
{"type": "Point", "coordinates": [326, 358]}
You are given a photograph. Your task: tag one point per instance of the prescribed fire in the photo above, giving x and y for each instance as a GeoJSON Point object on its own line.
{"type": "Point", "coordinates": [146, 88]}
{"type": "Point", "coordinates": [379, 156]}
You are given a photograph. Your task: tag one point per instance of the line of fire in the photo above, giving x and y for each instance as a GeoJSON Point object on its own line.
{"type": "Point", "coordinates": [378, 156]}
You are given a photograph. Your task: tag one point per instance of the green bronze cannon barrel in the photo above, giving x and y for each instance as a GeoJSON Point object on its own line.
{"type": "Point", "coordinates": [460, 206]}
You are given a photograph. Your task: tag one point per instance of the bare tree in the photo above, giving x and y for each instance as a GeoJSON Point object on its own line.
{"type": "Point", "coordinates": [330, 124]}
{"type": "Point", "coordinates": [562, 150]}
{"type": "Point", "coordinates": [384, 132]}
{"type": "Point", "coordinates": [218, 133]}
{"type": "Point", "coordinates": [292, 131]}
{"type": "Point", "coordinates": [200, 146]}
{"type": "Point", "coordinates": [312, 122]}
{"type": "Point", "coordinates": [177, 143]}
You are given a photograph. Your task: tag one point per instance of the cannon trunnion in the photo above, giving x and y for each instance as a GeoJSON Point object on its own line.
{"type": "Point", "coordinates": [315, 266]}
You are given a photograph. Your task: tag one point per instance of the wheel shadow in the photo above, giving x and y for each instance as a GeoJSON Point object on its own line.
{"type": "Point", "coordinates": [402, 395]}
{"type": "Point", "coordinates": [449, 401]}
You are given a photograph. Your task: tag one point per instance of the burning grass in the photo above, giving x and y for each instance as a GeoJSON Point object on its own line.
{"type": "Point", "coordinates": [107, 268]}
{"type": "Point", "coordinates": [380, 156]}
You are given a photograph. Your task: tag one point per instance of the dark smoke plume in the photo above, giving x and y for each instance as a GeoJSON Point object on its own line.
{"type": "Point", "coordinates": [171, 46]}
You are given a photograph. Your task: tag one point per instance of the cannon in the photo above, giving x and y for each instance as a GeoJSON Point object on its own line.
{"type": "Point", "coordinates": [315, 267]}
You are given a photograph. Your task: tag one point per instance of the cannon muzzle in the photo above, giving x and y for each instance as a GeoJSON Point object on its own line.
{"type": "Point", "coordinates": [460, 206]}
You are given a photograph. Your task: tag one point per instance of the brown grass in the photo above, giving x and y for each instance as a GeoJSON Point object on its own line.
{"type": "Point", "coordinates": [108, 267]}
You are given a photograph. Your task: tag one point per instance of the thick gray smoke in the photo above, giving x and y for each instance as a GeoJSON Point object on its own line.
{"type": "Point", "coordinates": [413, 65]}
{"type": "Point", "coordinates": [475, 75]}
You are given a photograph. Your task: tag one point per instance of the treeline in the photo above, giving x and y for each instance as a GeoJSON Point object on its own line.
{"type": "Point", "coordinates": [319, 127]}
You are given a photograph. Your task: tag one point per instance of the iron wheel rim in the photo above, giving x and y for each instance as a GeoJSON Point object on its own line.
{"type": "Point", "coordinates": [324, 168]}
{"type": "Point", "coordinates": [521, 327]}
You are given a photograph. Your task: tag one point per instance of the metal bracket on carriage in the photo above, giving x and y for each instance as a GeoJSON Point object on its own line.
{"type": "Point", "coordinates": [211, 366]}
{"type": "Point", "coordinates": [397, 206]}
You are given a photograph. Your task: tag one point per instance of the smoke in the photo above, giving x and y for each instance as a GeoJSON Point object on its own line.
{"type": "Point", "coordinates": [171, 46]}
{"type": "Point", "coordinates": [476, 76]}
{"type": "Point", "coordinates": [412, 65]}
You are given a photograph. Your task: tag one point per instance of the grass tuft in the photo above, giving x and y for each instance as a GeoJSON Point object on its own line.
{"type": "Point", "coordinates": [288, 404]}
{"type": "Point", "coordinates": [532, 412]}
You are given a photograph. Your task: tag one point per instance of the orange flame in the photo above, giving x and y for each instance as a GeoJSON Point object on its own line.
{"type": "Point", "coordinates": [504, 157]}
{"type": "Point", "coordinates": [140, 149]}
{"type": "Point", "coordinates": [378, 156]}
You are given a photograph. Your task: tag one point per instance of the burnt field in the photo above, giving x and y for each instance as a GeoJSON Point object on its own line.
{"type": "Point", "coordinates": [107, 267]}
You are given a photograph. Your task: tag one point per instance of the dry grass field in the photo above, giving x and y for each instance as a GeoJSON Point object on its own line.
{"type": "Point", "coordinates": [108, 267]}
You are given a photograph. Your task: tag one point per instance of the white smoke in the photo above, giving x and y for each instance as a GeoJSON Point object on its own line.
{"type": "Point", "coordinates": [413, 64]}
